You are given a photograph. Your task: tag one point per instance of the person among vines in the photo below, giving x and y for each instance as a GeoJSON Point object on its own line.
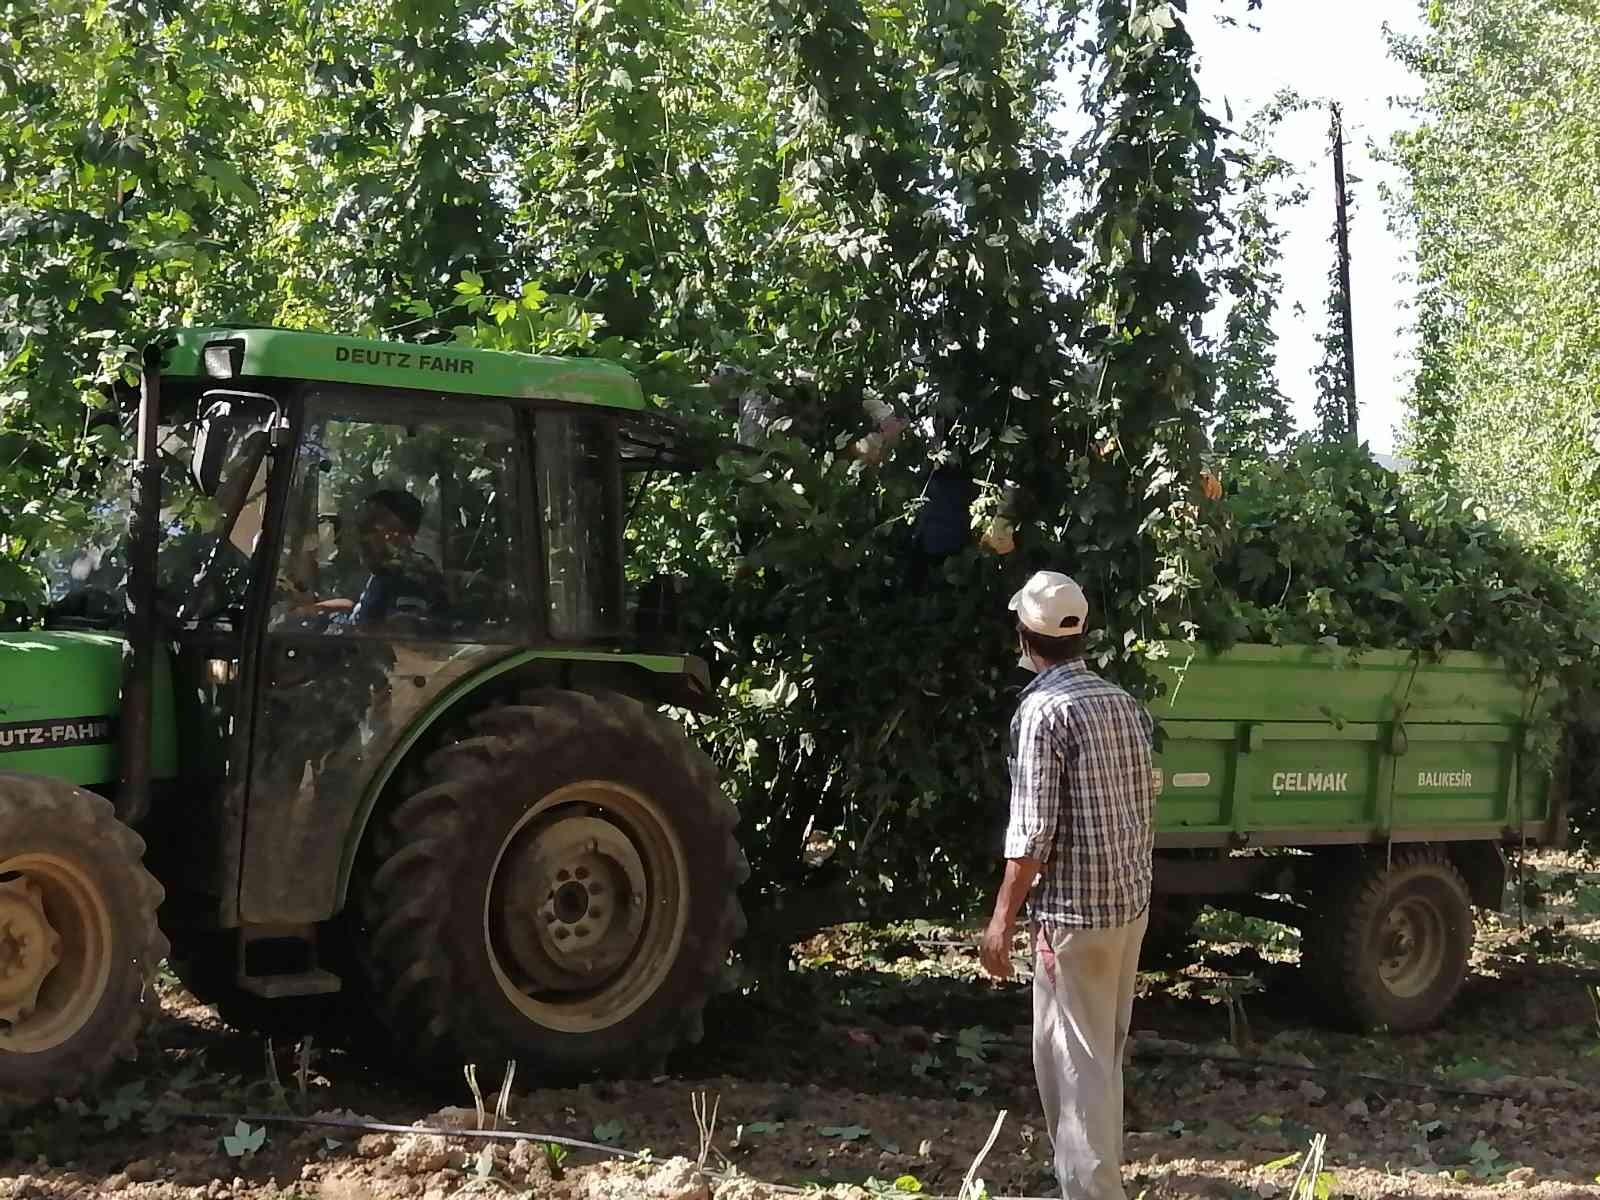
{"type": "Point", "coordinates": [1078, 847]}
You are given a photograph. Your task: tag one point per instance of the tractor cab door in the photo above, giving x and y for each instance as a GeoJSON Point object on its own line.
{"type": "Point", "coordinates": [211, 555]}
{"type": "Point", "coordinates": [406, 561]}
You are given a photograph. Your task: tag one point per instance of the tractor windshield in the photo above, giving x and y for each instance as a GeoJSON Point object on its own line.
{"type": "Point", "coordinates": [401, 519]}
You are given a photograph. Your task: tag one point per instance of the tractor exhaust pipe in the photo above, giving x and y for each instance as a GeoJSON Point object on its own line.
{"type": "Point", "coordinates": [144, 531]}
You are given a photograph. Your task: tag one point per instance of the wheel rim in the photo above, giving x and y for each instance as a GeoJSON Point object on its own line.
{"type": "Point", "coordinates": [55, 951]}
{"type": "Point", "coordinates": [586, 907]}
{"type": "Point", "coordinates": [1412, 946]}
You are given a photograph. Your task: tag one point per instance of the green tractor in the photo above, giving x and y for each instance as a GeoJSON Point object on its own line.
{"type": "Point", "coordinates": [369, 733]}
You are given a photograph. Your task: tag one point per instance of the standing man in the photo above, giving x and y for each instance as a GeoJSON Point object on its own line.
{"type": "Point", "coordinates": [1082, 813]}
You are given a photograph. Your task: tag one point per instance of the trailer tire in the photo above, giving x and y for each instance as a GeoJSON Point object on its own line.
{"type": "Point", "coordinates": [1391, 945]}
{"type": "Point", "coordinates": [78, 934]}
{"type": "Point", "coordinates": [558, 888]}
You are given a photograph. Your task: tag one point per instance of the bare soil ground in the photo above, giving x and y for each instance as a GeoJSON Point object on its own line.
{"type": "Point", "coordinates": [881, 1062]}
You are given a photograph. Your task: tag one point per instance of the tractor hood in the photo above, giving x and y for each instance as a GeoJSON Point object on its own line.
{"type": "Point", "coordinates": [60, 694]}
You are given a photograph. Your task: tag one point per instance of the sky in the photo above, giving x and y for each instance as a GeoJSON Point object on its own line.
{"type": "Point", "coordinates": [1338, 52]}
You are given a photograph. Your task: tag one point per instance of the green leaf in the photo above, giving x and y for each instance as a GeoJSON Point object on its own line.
{"type": "Point", "coordinates": [244, 1141]}
{"type": "Point", "coordinates": [845, 1133]}
{"type": "Point", "coordinates": [228, 180]}
{"type": "Point", "coordinates": [123, 1105]}
{"type": "Point", "coordinates": [609, 1132]}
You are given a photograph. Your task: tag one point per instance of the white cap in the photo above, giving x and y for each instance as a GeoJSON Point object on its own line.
{"type": "Point", "coordinates": [1052, 605]}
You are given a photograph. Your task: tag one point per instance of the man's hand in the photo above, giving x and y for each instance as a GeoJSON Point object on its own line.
{"type": "Point", "coordinates": [994, 951]}
{"type": "Point", "coordinates": [312, 608]}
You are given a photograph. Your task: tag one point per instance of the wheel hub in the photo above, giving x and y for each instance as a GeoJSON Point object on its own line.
{"type": "Point", "coordinates": [56, 939]}
{"type": "Point", "coordinates": [30, 949]}
{"type": "Point", "coordinates": [587, 906]}
{"type": "Point", "coordinates": [574, 902]}
{"type": "Point", "coordinates": [1411, 948]}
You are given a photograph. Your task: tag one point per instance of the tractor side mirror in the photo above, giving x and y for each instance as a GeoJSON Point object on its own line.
{"type": "Point", "coordinates": [228, 417]}
{"type": "Point", "coordinates": [211, 449]}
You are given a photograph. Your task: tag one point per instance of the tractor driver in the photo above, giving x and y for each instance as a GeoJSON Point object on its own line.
{"type": "Point", "coordinates": [404, 589]}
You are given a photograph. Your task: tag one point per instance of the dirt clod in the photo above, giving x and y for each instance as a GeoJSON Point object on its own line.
{"type": "Point", "coordinates": [421, 1153]}
{"type": "Point", "coordinates": [451, 1118]}
{"type": "Point", "coordinates": [375, 1145]}
{"type": "Point", "coordinates": [675, 1179]}
{"type": "Point", "coordinates": [1312, 1093]}
{"type": "Point", "coordinates": [345, 1187]}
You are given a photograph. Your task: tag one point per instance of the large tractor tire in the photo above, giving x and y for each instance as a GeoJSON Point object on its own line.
{"type": "Point", "coordinates": [79, 944]}
{"type": "Point", "coordinates": [1391, 944]}
{"type": "Point", "coordinates": [559, 889]}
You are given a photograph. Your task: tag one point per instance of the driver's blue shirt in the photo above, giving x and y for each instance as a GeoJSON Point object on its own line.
{"type": "Point", "coordinates": [408, 587]}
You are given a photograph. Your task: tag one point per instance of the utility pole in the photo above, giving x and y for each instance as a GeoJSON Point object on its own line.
{"type": "Point", "coordinates": [1342, 229]}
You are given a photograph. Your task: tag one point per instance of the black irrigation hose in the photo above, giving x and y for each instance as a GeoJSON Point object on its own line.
{"type": "Point", "coordinates": [501, 1135]}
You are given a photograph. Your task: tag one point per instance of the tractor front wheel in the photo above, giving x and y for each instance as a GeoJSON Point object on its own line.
{"type": "Point", "coordinates": [559, 889]}
{"type": "Point", "coordinates": [79, 944]}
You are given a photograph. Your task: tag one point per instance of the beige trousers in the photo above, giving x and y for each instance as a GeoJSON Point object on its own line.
{"type": "Point", "coordinates": [1083, 984]}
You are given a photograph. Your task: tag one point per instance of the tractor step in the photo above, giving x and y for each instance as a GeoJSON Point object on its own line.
{"type": "Point", "coordinates": [280, 961]}
{"type": "Point", "coordinates": [278, 987]}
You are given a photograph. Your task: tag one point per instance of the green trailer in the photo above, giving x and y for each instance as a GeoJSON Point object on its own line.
{"type": "Point", "coordinates": [1364, 797]}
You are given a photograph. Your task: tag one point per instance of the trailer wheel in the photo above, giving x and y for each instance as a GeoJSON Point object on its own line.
{"type": "Point", "coordinates": [1392, 945]}
{"type": "Point", "coordinates": [560, 890]}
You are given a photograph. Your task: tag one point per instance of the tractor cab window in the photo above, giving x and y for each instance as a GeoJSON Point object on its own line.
{"type": "Point", "coordinates": [579, 485]}
{"type": "Point", "coordinates": [399, 523]}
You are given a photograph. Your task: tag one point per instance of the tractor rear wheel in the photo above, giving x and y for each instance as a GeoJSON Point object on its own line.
{"type": "Point", "coordinates": [79, 944]}
{"type": "Point", "coordinates": [559, 889]}
{"type": "Point", "coordinates": [1391, 944]}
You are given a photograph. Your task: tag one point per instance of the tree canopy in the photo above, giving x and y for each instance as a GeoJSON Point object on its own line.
{"type": "Point", "coordinates": [1503, 200]}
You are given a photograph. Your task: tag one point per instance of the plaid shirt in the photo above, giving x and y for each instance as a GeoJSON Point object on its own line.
{"type": "Point", "coordinates": [1082, 798]}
